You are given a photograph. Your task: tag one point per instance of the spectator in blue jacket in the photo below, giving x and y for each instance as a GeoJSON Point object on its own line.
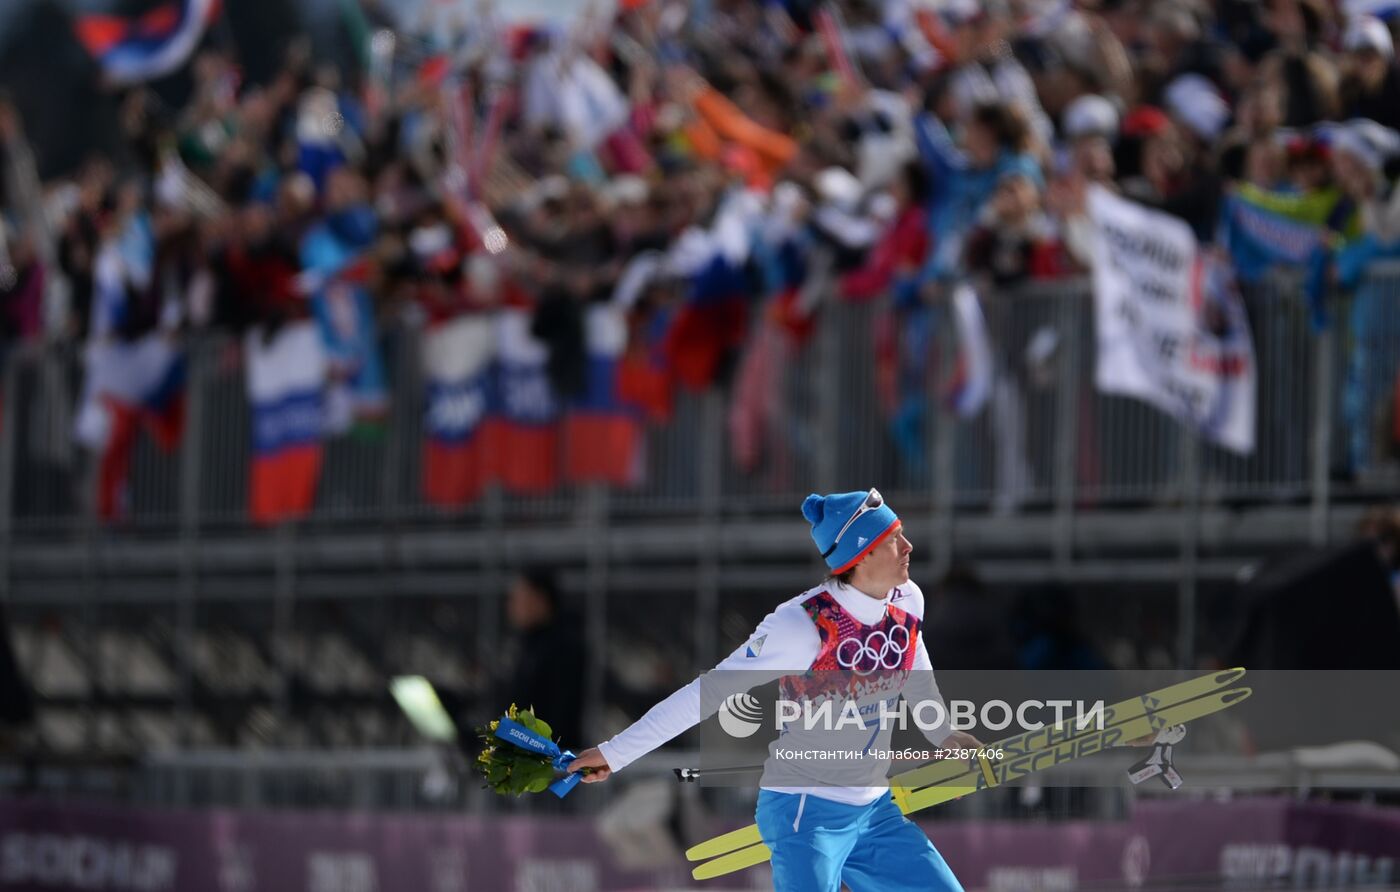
{"type": "Point", "coordinates": [995, 143]}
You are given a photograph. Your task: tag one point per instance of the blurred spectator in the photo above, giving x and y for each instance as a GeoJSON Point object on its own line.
{"type": "Point", "coordinates": [1360, 153]}
{"type": "Point", "coordinates": [1307, 83]}
{"type": "Point", "coordinates": [546, 663]}
{"type": "Point", "coordinates": [21, 288]}
{"type": "Point", "coordinates": [257, 271]}
{"type": "Point", "coordinates": [901, 249]}
{"type": "Point", "coordinates": [1370, 81]}
{"type": "Point", "coordinates": [1173, 173]}
{"type": "Point", "coordinates": [1014, 239]}
{"type": "Point", "coordinates": [996, 141]}
{"type": "Point", "coordinates": [989, 73]}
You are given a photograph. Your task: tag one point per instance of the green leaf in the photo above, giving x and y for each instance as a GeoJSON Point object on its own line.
{"type": "Point", "coordinates": [533, 777]}
{"type": "Point", "coordinates": [536, 724]}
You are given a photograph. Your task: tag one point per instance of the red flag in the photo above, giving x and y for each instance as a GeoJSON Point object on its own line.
{"type": "Point", "coordinates": [701, 336]}
{"type": "Point", "coordinates": [644, 385]}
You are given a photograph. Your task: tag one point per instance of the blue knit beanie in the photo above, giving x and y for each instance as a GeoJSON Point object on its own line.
{"type": "Point", "coordinates": [827, 514]}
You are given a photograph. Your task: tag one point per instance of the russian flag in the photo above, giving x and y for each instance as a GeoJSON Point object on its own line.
{"type": "Point", "coordinates": [601, 435]}
{"type": "Point", "coordinates": [131, 49]}
{"type": "Point", "coordinates": [523, 430]}
{"type": "Point", "coordinates": [286, 377]}
{"type": "Point", "coordinates": [457, 357]}
{"type": "Point", "coordinates": [713, 321]}
{"type": "Point", "coordinates": [130, 385]}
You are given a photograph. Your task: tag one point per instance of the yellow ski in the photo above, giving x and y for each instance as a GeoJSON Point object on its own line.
{"type": "Point", "coordinates": [973, 780]}
{"type": "Point", "coordinates": [1018, 743]}
{"type": "Point", "coordinates": [1006, 770]}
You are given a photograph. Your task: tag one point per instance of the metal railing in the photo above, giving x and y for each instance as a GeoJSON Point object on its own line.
{"type": "Point", "coordinates": [1048, 456]}
{"type": "Point", "coordinates": [1326, 403]}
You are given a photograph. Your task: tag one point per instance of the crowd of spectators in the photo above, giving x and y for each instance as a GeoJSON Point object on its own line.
{"type": "Point", "coordinates": [890, 147]}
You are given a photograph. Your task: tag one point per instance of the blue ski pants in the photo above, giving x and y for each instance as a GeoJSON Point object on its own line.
{"type": "Point", "coordinates": [818, 844]}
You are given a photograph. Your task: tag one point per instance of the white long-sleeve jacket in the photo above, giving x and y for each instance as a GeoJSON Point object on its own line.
{"type": "Point", "coordinates": [787, 643]}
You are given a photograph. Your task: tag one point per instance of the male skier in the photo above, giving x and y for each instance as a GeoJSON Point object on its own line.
{"type": "Point", "coordinates": [858, 624]}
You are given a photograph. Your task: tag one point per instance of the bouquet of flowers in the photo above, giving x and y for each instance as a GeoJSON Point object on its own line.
{"type": "Point", "coordinates": [518, 756]}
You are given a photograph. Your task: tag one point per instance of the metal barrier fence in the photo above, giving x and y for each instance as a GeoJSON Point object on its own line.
{"type": "Point", "coordinates": [820, 419]}
{"type": "Point", "coordinates": [1326, 427]}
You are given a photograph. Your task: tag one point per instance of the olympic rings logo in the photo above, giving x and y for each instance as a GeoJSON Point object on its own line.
{"type": "Point", "coordinates": [878, 651]}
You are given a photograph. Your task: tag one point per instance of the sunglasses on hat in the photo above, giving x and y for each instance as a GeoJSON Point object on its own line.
{"type": "Point", "coordinates": [873, 500]}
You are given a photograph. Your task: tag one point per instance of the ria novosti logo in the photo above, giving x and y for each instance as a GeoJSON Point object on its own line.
{"type": "Point", "coordinates": [740, 715]}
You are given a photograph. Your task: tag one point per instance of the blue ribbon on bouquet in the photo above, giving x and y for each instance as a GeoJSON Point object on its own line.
{"type": "Point", "coordinates": [513, 732]}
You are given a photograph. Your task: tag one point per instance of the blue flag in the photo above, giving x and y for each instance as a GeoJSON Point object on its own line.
{"type": "Point", "coordinates": [1259, 239]}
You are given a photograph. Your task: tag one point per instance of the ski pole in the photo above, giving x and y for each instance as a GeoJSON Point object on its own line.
{"type": "Point", "coordinates": [691, 775]}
